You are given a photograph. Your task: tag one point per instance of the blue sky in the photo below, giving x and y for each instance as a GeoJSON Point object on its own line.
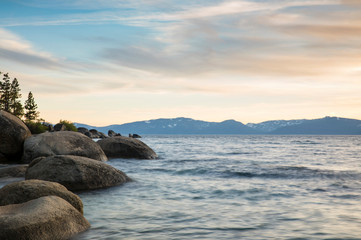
{"type": "Point", "coordinates": [103, 62]}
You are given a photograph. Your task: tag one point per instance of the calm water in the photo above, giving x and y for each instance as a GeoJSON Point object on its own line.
{"type": "Point", "coordinates": [234, 187]}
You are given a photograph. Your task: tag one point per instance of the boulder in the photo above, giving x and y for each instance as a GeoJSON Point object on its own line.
{"type": "Point", "coordinates": [95, 134]}
{"type": "Point", "coordinates": [82, 130]}
{"type": "Point", "coordinates": [136, 135]}
{"type": "Point", "coordinates": [24, 191]}
{"type": "Point", "coordinates": [125, 147]}
{"type": "Point", "coordinates": [13, 171]}
{"type": "Point", "coordinates": [111, 133]}
{"type": "Point", "coordinates": [49, 217]}
{"type": "Point", "coordinates": [12, 136]}
{"type": "Point", "coordinates": [61, 143]}
{"type": "Point", "coordinates": [75, 173]}
{"type": "Point", "coordinates": [59, 127]}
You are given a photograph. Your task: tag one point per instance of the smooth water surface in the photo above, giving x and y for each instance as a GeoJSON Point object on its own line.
{"type": "Point", "coordinates": [234, 187]}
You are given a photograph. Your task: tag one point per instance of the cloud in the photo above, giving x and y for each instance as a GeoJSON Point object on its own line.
{"type": "Point", "coordinates": [13, 48]}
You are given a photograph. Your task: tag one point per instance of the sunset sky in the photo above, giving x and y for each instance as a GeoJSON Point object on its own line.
{"type": "Point", "coordinates": [110, 62]}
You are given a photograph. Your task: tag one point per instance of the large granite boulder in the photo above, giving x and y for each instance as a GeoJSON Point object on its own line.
{"type": "Point", "coordinates": [24, 191]}
{"type": "Point", "coordinates": [125, 147]}
{"type": "Point", "coordinates": [75, 173]}
{"type": "Point", "coordinates": [43, 218]}
{"type": "Point", "coordinates": [13, 171]}
{"type": "Point", "coordinates": [61, 143]}
{"type": "Point", "coordinates": [12, 136]}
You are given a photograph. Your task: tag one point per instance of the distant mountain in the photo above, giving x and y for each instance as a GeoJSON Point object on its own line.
{"type": "Point", "coordinates": [177, 126]}
{"type": "Point", "coordinates": [322, 126]}
{"type": "Point", "coordinates": [270, 126]}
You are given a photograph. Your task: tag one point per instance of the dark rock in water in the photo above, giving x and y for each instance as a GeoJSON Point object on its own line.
{"type": "Point", "coordinates": [102, 135]}
{"type": "Point", "coordinates": [111, 133]}
{"type": "Point", "coordinates": [88, 134]}
{"type": "Point", "coordinates": [43, 218]}
{"type": "Point", "coordinates": [59, 127]}
{"type": "Point", "coordinates": [82, 130]}
{"type": "Point", "coordinates": [61, 143]}
{"type": "Point", "coordinates": [95, 134]}
{"type": "Point", "coordinates": [24, 191]}
{"type": "Point", "coordinates": [124, 147]}
{"type": "Point", "coordinates": [136, 135]}
{"type": "Point", "coordinates": [75, 173]}
{"type": "Point", "coordinates": [12, 136]}
{"type": "Point", "coordinates": [13, 171]}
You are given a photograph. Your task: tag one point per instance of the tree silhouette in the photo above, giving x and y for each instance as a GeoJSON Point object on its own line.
{"type": "Point", "coordinates": [5, 87]}
{"type": "Point", "coordinates": [15, 104]}
{"type": "Point", "coordinates": [30, 108]}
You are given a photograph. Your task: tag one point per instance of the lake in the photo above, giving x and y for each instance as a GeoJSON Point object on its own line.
{"type": "Point", "coordinates": [234, 187]}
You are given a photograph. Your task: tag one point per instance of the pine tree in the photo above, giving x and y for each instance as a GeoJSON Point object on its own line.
{"type": "Point", "coordinates": [5, 87]}
{"type": "Point", "coordinates": [15, 104]}
{"type": "Point", "coordinates": [30, 106]}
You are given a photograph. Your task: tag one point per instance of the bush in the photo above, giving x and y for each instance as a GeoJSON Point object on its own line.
{"type": "Point", "coordinates": [69, 126]}
{"type": "Point", "coordinates": [36, 127]}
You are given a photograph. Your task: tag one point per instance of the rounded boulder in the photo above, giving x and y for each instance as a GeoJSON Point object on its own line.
{"type": "Point", "coordinates": [12, 136]}
{"type": "Point", "coordinates": [24, 191]}
{"type": "Point", "coordinates": [49, 217]}
{"type": "Point", "coordinates": [61, 143]}
{"type": "Point", "coordinates": [75, 172]}
{"type": "Point", "coordinates": [125, 147]}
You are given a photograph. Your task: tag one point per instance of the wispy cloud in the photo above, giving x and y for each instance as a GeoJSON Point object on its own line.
{"type": "Point", "coordinates": [15, 49]}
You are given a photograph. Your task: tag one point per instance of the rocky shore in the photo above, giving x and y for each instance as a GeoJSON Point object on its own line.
{"type": "Point", "coordinates": [54, 165]}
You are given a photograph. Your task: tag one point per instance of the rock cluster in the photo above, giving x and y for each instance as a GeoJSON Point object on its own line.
{"type": "Point", "coordinates": [92, 133]}
{"type": "Point", "coordinates": [42, 207]}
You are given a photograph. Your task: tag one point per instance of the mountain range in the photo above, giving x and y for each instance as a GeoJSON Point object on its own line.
{"type": "Point", "coordinates": [321, 126]}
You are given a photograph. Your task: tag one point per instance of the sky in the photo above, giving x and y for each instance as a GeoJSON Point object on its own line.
{"type": "Point", "coordinates": [111, 62]}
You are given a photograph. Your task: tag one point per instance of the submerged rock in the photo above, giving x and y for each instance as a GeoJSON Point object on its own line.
{"type": "Point", "coordinates": [61, 143]}
{"type": "Point", "coordinates": [125, 147]}
{"type": "Point", "coordinates": [12, 136]}
{"type": "Point", "coordinates": [75, 173]}
{"type": "Point", "coordinates": [24, 191]}
{"type": "Point", "coordinates": [43, 218]}
{"type": "Point", "coordinates": [13, 171]}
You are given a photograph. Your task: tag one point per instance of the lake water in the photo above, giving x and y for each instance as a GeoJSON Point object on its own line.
{"type": "Point", "coordinates": [234, 187]}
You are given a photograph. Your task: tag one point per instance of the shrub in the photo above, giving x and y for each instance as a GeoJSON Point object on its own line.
{"type": "Point", "coordinates": [36, 127]}
{"type": "Point", "coordinates": [69, 126]}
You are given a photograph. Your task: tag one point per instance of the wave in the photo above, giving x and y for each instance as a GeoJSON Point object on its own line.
{"type": "Point", "coordinates": [305, 142]}
{"type": "Point", "coordinates": [278, 172]}
{"type": "Point", "coordinates": [294, 172]}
